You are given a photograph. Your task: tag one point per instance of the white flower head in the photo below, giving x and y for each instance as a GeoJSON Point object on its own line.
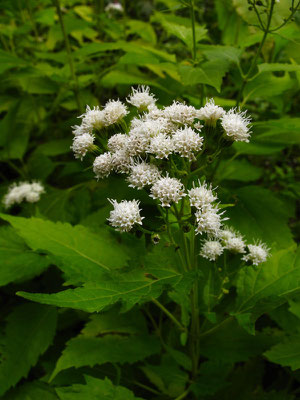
{"type": "Point", "coordinates": [80, 129]}
{"type": "Point", "coordinates": [23, 191]}
{"type": "Point", "coordinates": [258, 253]}
{"type": "Point", "coordinates": [125, 215]}
{"type": "Point", "coordinates": [167, 190]}
{"type": "Point", "coordinates": [141, 98]}
{"type": "Point", "coordinates": [114, 111]}
{"type": "Point", "coordinates": [201, 195]}
{"type": "Point", "coordinates": [114, 7]}
{"type": "Point", "coordinates": [180, 113]}
{"type": "Point", "coordinates": [149, 127]}
{"type": "Point", "coordinates": [82, 144]}
{"type": "Point", "coordinates": [210, 113]}
{"type": "Point", "coordinates": [209, 220]}
{"type": "Point", "coordinates": [121, 161]}
{"type": "Point", "coordinates": [161, 146]}
{"type": "Point", "coordinates": [236, 125]}
{"type": "Point", "coordinates": [186, 141]}
{"type": "Point", "coordinates": [211, 249]}
{"type": "Point", "coordinates": [103, 165]}
{"type": "Point", "coordinates": [91, 119]}
{"type": "Point", "coordinates": [232, 241]}
{"type": "Point", "coordinates": [143, 174]}
{"type": "Point", "coordinates": [137, 144]}
{"type": "Point", "coordinates": [117, 142]}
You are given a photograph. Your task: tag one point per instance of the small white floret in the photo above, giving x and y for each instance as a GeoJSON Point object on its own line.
{"type": "Point", "coordinates": [167, 190]}
{"type": "Point", "coordinates": [143, 174]}
{"type": "Point", "coordinates": [186, 141]}
{"type": "Point", "coordinates": [211, 250]}
{"type": "Point", "coordinates": [180, 113]}
{"type": "Point", "coordinates": [258, 253]}
{"type": "Point", "coordinates": [201, 195]}
{"type": "Point", "coordinates": [114, 111]}
{"type": "Point", "coordinates": [103, 165]}
{"type": "Point", "coordinates": [210, 113]}
{"type": "Point", "coordinates": [161, 146]}
{"type": "Point", "coordinates": [117, 142]}
{"type": "Point", "coordinates": [141, 98]}
{"type": "Point", "coordinates": [121, 161]}
{"type": "Point", "coordinates": [114, 7]}
{"type": "Point", "coordinates": [91, 119]}
{"type": "Point", "coordinates": [82, 144]}
{"type": "Point", "coordinates": [125, 215]}
{"type": "Point", "coordinates": [209, 220]}
{"type": "Point", "coordinates": [23, 191]}
{"type": "Point", "coordinates": [236, 125]}
{"type": "Point", "coordinates": [232, 241]}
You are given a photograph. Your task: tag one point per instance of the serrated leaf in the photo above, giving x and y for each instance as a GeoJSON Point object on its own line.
{"type": "Point", "coordinates": [18, 262]}
{"type": "Point", "coordinates": [29, 332]}
{"type": "Point", "coordinates": [81, 254]}
{"type": "Point", "coordinates": [128, 288]}
{"type": "Point", "coordinates": [89, 351]}
{"type": "Point", "coordinates": [96, 389]}
{"type": "Point", "coordinates": [287, 353]}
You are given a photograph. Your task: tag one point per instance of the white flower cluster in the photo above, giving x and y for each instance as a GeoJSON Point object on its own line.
{"type": "Point", "coordinates": [159, 150]}
{"type": "Point", "coordinates": [114, 7]}
{"type": "Point", "coordinates": [23, 191]}
{"type": "Point", "coordinates": [125, 215]}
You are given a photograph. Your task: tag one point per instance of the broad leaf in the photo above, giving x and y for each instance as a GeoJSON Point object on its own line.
{"type": "Point", "coordinates": [81, 254]}
{"type": "Point", "coordinates": [287, 353]}
{"type": "Point", "coordinates": [36, 390]}
{"type": "Point", "coordinates": [18, 262]}
{"type": "Point", "coordinates": [132, 288]}
{"type": "Point", "coordinates": [89, 351]}
{"type": "Point", "coordinates": [29, 332]}
{"type": "Point", "coordinates": [95, 389]}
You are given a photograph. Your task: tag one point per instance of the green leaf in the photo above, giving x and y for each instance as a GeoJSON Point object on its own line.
{"type": "Point", "coordinates": [18, 262]}
{"type": "Point", "coordinates": [81, 254]}
{"type": "Point", "coordinates": [266, 85]}
{"type": "Point", "coordinates": [263, 288]}
{"type": "Point", "coordinates": [226, 54]}
{"type": "Point", "coordinates": [260, 214]}
{"type": "Point", "coordinates": [95, 389]}
{"type": "Point", "coordinates": [210, 73]}
{"type": "Point", "coordinates": [29, 331]}
{"type": "Point", "coordinates": [287, 353]}
{"type": "Point", "coordinates": [9, 61]}
{"type": "Point", "coordinates": [239, 170]}
{"type": "Point", "coordinates": [89, 351]}
{"type": "Point", "coordinates": [54, 147]}
{"type": "Point", "coordinates": [130, 289]}
{"type": "Point", "coordinates": [278, 67]}
{"type": "Point", "coordinates": [143, 29]}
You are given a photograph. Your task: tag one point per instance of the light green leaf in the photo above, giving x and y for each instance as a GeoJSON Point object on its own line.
{"type": "Point", "coordinates": [81, 254]}
{"type": "Point", "coordinates": [286, 353]}
{"type": "Point", "coordinates": [129, 288]}
{"type": "Point", "coordinates": [221, 53]}
{"type": "Point", "coordinates": [278, 67]}
{"type": "Point", "coordinates": [29, 331]}
{"type": "Point", "coordinates": [95, 389]}
{"type": "Point", "coordinates": [210, 73]}
{"type": "Point", "coordinates": [142, 29]}
{"type": "Point", "coordinates": [89, 351]}
{"type": "Point", "coordinates": [18, 262]}
{"type": "Point", "coordinates": [9, 61]}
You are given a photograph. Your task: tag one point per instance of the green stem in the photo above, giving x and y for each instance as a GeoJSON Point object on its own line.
{"type": "Point", "coordinates": [216, 328]}
{"type": "Point", "coordinates": [171, 316]}
{"type": "Point", "coordinates": [254, 61]}
{"type": "Point", "coordinates": [194, 54]}
{"type": "Point", "coordinates": [184, 394]}
{"type": "Point", "coordinates": [69, 53]}
{"type": "Point", "coordinates": [294, 10]}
